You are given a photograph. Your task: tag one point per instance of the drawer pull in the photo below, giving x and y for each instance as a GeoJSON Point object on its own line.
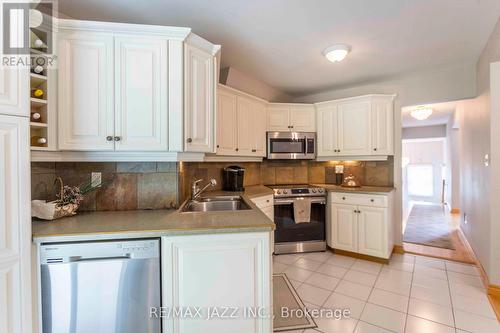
{"type": "Point", "coordinates": [267, 200]}
{"type": "Point", "coordinates": [372, 200]}
{"type": "Point", "coordinates": [109, 138]}
{"type": "Point", "coordinates": [343, 198]}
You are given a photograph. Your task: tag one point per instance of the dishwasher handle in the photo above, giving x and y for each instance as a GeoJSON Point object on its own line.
{"type": "Point", "coordinates": [80, 258]}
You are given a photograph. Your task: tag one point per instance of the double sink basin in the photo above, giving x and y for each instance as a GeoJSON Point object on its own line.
{"type": "Point", "coordinates": [215, 204]}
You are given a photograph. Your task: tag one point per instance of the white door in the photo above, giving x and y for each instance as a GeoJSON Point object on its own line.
{"type": "Point", "coordinates": [259, 129]}
{"type": "Point", "coordinates": [344, 227]}
{"type": "Point", "coordinates": [86, 103]}
{"type": "Point", "coordinates": [382, 126]}
{"type": "Point", "coordinates": [141, 111]}
{"type": "Point", "coordinates": [278, 118]}
{"type": "Point", "coordinates": [15, 225]}
{"type": "Point", "coordinates": [224, 270]}
{"type": "Point", "coordinates": [354, 128]}
{"type": "Point", "coordinates": [245, 126]}
{"type": "Point", "coordinates": [226, 124]}
{"type": "Point", "coordinates": [199, 106]}
{"type": "Point", "coordinates": [372, 227]}
{"type": "Point", "coordinates": [327, 135]}
{"type": "Point", "coordinates": [302, 118]}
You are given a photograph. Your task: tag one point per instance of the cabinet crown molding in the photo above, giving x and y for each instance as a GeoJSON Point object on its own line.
{"type": "Point", "coordinates": [392, 96]}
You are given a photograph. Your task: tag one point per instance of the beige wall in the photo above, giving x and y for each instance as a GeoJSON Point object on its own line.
{"type": "Point", "coordinates": [241, 81]}
{"type": "Point", "coordinates": [443, 85]}
{"type": "Point", "coordinates": [424, 132]}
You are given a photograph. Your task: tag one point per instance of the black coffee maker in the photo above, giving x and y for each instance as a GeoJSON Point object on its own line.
{"type": "Point", "coordinates": [232, 178]}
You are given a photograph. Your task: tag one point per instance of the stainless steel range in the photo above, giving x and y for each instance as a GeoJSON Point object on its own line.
{"type": "Point", "coordinates": [299, 215]}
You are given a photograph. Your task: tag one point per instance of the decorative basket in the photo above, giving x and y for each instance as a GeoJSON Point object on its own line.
{"type": "Point", "coordinates": [53, 210]}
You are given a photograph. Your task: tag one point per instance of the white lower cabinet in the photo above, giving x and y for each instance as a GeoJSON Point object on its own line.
{"type": "Point", "coordinates": [223, 271]}
{"type": "Point", "coordinates": [361, 223]}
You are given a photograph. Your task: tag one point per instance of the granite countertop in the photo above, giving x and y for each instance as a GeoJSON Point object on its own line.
{"type": "Point", "coordinates": [154, 223]}
{"type": "Point", "coordinates": [362, 189]}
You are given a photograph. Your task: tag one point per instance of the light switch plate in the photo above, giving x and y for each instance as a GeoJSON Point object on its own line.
{"type": "Point", "coordinates": [96, 179]}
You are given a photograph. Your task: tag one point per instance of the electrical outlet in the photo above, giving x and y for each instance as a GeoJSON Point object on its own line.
{"type": "Point", "coordinates": [96, 179]}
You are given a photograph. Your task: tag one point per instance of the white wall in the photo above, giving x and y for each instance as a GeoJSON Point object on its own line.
{"type": "Point", "coordinates": [424, 132]}
{"type": "Point", "coordinates": [241, 81]}
{"type": "Point", "coordinates": [443, 85]}
{"type": "Point", "coordinates": [453, 163]}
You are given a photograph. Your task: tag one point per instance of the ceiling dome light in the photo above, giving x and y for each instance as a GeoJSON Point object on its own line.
{"type": "Point", "coordinates": [421, 113]}
{"type": "Point", "coordinates": [336, 53]}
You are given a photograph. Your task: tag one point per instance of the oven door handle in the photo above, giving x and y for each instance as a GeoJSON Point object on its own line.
{"type": "Point", "coordinates": [278, 202]}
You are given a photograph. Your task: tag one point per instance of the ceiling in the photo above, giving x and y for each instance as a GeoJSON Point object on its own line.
{"type": "Point", "coordinates": [280, 42]}
{"type": "Point", "coordinates": [441, 115]}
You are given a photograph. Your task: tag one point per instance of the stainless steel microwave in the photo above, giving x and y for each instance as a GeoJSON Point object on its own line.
{"type": "Point", "coordinates": [291, 145]}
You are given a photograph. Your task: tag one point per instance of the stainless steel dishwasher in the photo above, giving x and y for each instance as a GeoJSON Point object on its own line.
{"type": "Point", "coordinates": [100, 287]}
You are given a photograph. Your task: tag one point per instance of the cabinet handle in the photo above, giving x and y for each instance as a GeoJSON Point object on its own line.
{"type": "Point", "coordinates": [372, 200]}
{"type": "Point", "coordinates": [375, 149]}
{"type": "Point", "coordinates": [217, 146]}
{"type": "Point", "coordinates": [343, 198]}
{"type": "Point", "coordinates": [236, 149]}
{"type": "Point", "coordinates": [267, 200]}
{"type": "Point", "coordinates": [189, 140]}
{"type": "Point", "coordinates": [109, 138]}
{"type": "Point", "coordinates": [118, 138]}
{"type": "Point", "coordinates": [254, 150]}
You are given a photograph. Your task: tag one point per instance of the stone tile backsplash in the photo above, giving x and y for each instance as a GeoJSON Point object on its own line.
{"type": "Point", "coordinates": [160, 185]}
{"type": "Point", "coordinates": [126, 186]}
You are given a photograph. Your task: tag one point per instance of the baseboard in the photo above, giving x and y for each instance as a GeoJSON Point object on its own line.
{"type": "Point", "coordinates": [361, 256]}
{"type": "Point", "coordinates": [494, 290]}
{"type": "Point", "coordinates": [455, 211]}
{"type": "Point", "coordinates": [398, 249]}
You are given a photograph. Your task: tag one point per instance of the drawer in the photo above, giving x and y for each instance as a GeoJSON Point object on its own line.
{"type": "Point", "coordinates": [263, 202]}
{"type": "Point", "coordinates": [372, 200]}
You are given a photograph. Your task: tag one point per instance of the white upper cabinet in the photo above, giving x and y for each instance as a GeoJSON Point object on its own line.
{"type": "Point", "coordinates": [354, 128]}
{"type": "Point", "coordinates": [86, 102]}
{"type": "Point", "coordinates": [141, 110]}
{"type": "Point", "coordinates": [227, 130]}
{"type": "Point", "coordinates": [282, 117]}
{"type": "Point", "coordinates": [241, 124]}
{"type": "Point", "coordinates": [358, 126]}
{"type": "Point", "coordinates": [199, 90]}
{"type": "Point", "coordinates": [14, 91]}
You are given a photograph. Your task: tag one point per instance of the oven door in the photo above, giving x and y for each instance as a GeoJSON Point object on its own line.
{"type": "Point", "coordinates": [291, 145]}
{"type": "Point", "coordinates": [287, 231]}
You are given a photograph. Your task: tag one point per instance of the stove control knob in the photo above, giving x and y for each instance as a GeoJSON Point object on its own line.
{"type": "Point", "coordinates": [285, 192]}
{"type": "Point", "coordinates": [279, 192]}
{"type": "Point", "coordinates": [314, 190]}
{"type": "Point", "coordinates": [320, 190]}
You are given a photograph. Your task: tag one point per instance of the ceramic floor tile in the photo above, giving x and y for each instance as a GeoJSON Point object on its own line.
{"type": "Point", "coordinates": [480, 305]}
{"type": "Point", "coordinates": [297, 274]}
{"type": "Point", "coordinates": [401, 266]}
{"type": "Point", "coordinates": [295, 284]}
{"type": "Point", "coordinates": [396, 274]}
{"type": "Point", "coordinates": [367, 266]}
{"type": "Point", "coordinates": [311, 306]}
{"type": "Point", "coordinates": [393, 285]}
{"type": "Point", "coordinates": [331, 325]}
{"type": "Point", "coordinates": [389, 300]}
{"type": "Point", "coordinates": [360, 277]}
{"type": "Point", "coordinates": [339, 301]}
{"type": "Point", "coordinates": [430, 262]}
{"type": "Point", "coordinates": [355, 290]}
{"type": "Point", "coordinates": [430, 272]}
{"type": "Point", "coordinates": [428, 282]}
{"type": "Point", "coordinates": [384, 317]}
{"type": "Point", "coordinates": [318, 256]}
{"type": "Point", "coordinates": [476, 324]}
{"type": "Point", "coordinates": [341, 261]}
{"type": "Point", "coordinates": [462, 268]}
{"type": "Point", "coordinates": [331, 270]}
{"type": "Point", "coordinates": [420, 325]}
{"type": "Point", "coordinates": [286, 259]}
{"type": "Point", "coordinates": [441, 297]}
{"type": "Point", "coordinates": [406, 257]}
{"type": "Point", "coordinates": [279, 267]}
{"type": "Point", "coordinates": [312, 294]}
{"type": "Point", "coordinates": [434, 312]}
{"type": "Point", "coordinates": [472, 280]}
{"type": "Point", "coordinates": [308, 264]}
{"type": "Point", "coordinates": [363, 327]}
{"type": "Point", "coordinates": [322, 281]}
{"type": "Point", "coordinates": [467, 290]}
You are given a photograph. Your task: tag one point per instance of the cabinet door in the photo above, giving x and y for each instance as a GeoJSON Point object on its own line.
{"type": "Point", "coordinates": [278, 118]}
{"type": "Point", "coordinates": [86, 103]}
{"type": "Point", "coordinates": [15, 225]}
{"type": "Point", "coordinates": [344, 227]}
{"type": "Point", "coordinates": [372, 225]}
{"type": "Point", "coordinates": [226, 124]}
{"type": "Point", "coordinates": [303, 118]}
{"type": "Point", "coordinates": [354, 128]}
{"type": "Point", "coordinates": [207, 271]}
{"type": "Point", "coordinates": [383, 126]}
{"type": "Point", "coordinates": [259, 129]}
{"type": "Point", "coordinates": [199, 97]}
{"type": "Point", "coordinates": [141, 111]}
{"type": "Point", "coordinates": [245, 126]}
{"type": "Point", "coordinates": [327, 124]}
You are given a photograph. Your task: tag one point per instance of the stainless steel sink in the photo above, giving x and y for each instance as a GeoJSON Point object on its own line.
{"type": "Point", "coordinates": [215, 204]}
